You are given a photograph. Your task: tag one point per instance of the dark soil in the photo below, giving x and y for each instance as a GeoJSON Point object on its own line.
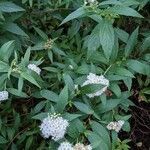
{"type": "Point", "coordinates": [140, 125]}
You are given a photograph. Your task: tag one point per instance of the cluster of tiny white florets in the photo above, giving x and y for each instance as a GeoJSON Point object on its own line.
{"type": "Point", "coordinates": [34, 68]}
{"type": "Point", "coordinates": [90, 2]}
{"type": "Point", "coordinates": [49, 44]}
{"type": "Point", "coordinates": [78, 146]}
{"type": "Point", "coordinates": [54, 126]}
{"type": "Point", "coordinates": [3, 95]}
{"type": "Point", "coordinates": [94, 79]}
{"type": "Point", "coordinates": [65, 146]}
{"type": "Point", "coordinates": [116, 125]}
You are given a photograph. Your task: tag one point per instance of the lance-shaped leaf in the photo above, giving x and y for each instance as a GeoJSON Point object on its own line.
{"type": "Point", "coordinates": [76, 14]}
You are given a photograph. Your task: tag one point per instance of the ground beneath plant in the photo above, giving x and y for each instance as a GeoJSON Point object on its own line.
{"type": "Point", "coordinates": [140, 125]}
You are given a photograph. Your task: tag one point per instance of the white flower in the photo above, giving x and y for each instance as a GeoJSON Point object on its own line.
{"type": "Point", "coordinates": [116, 125]}
{"type": "Point", "coordinates": [65, 146]}
{"type": "Point", "coordinates": [70, 66]}
{"type": "Point", "coordinates": [90, 2]}
{"type": "Point", "coordinates": [54, 126]}
{"type": "Point", "coordinates": [89, 147]}
{"type": "Point", "coordinates": [76, 87]}
{"type": "Point", "coordinates": [80, 146]}
{"type": "Point", "coordinates": [34, 68]}
{"type": "Point", "coordinates": [3, 95]}
{"type": "Point", "coordinates": [94, 79]}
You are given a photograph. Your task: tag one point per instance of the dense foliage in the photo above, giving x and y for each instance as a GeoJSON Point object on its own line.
{"type": "Point", "coordinates": [70, 64]}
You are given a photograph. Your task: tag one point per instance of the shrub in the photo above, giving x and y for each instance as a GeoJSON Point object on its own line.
{"type": "Point", "coordinates": [67, 70]}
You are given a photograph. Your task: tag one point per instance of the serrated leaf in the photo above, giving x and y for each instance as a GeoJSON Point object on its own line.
{"type": "Point", "coordinates": [110, 104]}
{"type": "Point", "coordinates": [3, 140]}
{"type": "Point", "coordinates": [28, 77]}
{"type": "Point", "coordinates": [131, 42]}
{"type": "Point", "coordinates": [106, 36]}
{"type": "Point", "coordinates": [41, 33]}
{"type": "Point", "coordinates": [116, 89]}
{"type": "Point", "coordinates": [10, 7]}
{"type": "Point", "coordinates": [123, 72]}
{"type": "Point", "coordinates": [16, 92]}
{"type": "Point", "coordinates": [97, 142]}
{"type": "Point", "coordinates": [40, 116]}
{"type": "Point", "coordinates": [122, 35]}
{"type": "Point", "coordinates": [26, 57]}
{"type": "Point", "coordinates": [76, 14]}
{"type": "Point", "coordinates": [39, 107]}
{"type": "Point", "coordinates": [102, 132]}
{"type": "Point", "coordinates": [91, 88]}
{"type": "Point", "coordinates": [139, 67]}
{"type": "Point", "coordinates": [49, 95]}
{"type": "Point", "coordinates": [124, 10]}
{"type": "Point", "coordinates": [68, 81]}
{"type": "Point", "coordinates": [63, 99]}
{"type": "Point", "coordinates": [14, 28]}
{"type": "Point", "coordinates": [6, 50]}
{"type": "Point", "coordinates": [4, 67]}
{"type": "Point", "coordinates": [83, 108]}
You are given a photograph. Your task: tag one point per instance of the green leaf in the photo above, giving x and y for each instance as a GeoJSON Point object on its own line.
{"type": "Point", "coordinates": [39, 107]}
{"type": "Point", "coordinates": [41, 33]}
{"type": "Point", "coordinates": [122, 35]}
{"type": "Point", "coordinates": [110, 104]}
{"type": "Point", "coordinates": [26, 58]}
{"type": "Point", "coordinates": [76, 14]}
{"type": "Point", "coordinates": [68, 81]}
{"type": "Point", "coordinates": [83, 108]}
{"type": "Point", "coordinates": [116, 89]}
{"type": "Point", "coordinates": [3, 140]}
{"type": "Point", "coordinates": [2, 79]}
{"type": "Point", "coordinates": [102, 132]}
{"type": "Point", "coordinates": [49, 95]}
{"type": "Point", "coordinates": [131, 42]}
{"type": "Point", "coordinates": [28, 77]}
{"type": "Point", "coordinates": [10, 7]}
{"type": "Point", "coordinates": [71, 117]}
{"type": "Point", "coordinates": [130, 2]}
{"type": "Point", "coordinates": [122, 72]}
{"type": "Point", "coordinates": [63, 99]}
{"type": "Point", "coordinates": [6, 50]}
{"type": "Point", "coordinates": [14, 28]}
{"type": "Point", "coordinates": [128, 83]}
{"type": "Point", "coordinates": [108, 2]}
{"type": "Point", "coordinates": [40, 116]}
{"type": "Point", "coordinates": [146, 44]}
{"type": "Point", "coordinates": [124, 10]}
{"type": "Point", "coordinates": [139, 67]}
{"type": "Point", "coordinates": [97, 142]}
{"type": "Point", "coordinates": [4, 67]}
{"type": "Point", "coordinates": [16, 92]}
{"type": "Point", "coordinates": [91, 88]}
{"type": "Point", "coordinates": [106, 36]}
{"type": "Point", "coordinates": [83, 69]}
{"type": "Point", "coordinates": [29, 142]}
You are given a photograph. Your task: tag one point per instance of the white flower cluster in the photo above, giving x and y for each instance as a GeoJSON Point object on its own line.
{"type": "Point", "coordinates": [54, 126]}
{"type": "Point", "coordinates": [78, 146]}
{"type": "Point", "coordinates": [34, 68]}
{"type": "Point", "coordinates": [94, 79]}
{"type": "Point", "coordinates": [90, 2]}
{"type": "Point", "coordinates": [3, 95]}
{"type": "Point", "coordinates": [116, 125]}
{"type": "Point", "coordinates": [65, 146]}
